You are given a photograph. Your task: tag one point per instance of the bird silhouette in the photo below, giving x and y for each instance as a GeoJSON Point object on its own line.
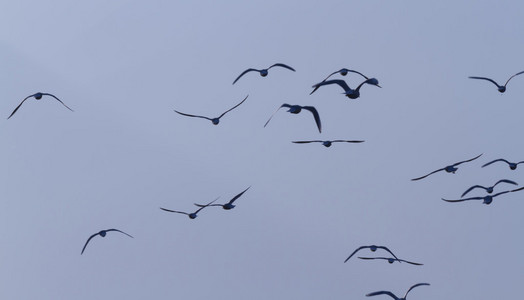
{"type": "Point", "coordinates": [349, 92]}
{"type": "Point", "coordinates": [216, 120]}
{"type": "Point", "coordinates": [344, 72]}
{"type": "Point", "coordinates": [326, 143]}
{"type": "Point", "coordinates": [37, 96]}
{"type": "Point", "coordinates": [501, 88]}
{"type": "Point", "coordinates": [391, 260]}
{"type": "Point", "coordinates": [229, 205]}
{"type": "Point", "coordinates": [101, 233]}
{"type": "Point", "coordinates": [373, 248]}
{"type": "Point", "coordinates": [450, 169]}
{"type": "Point", "coordinates": [295, 109]}
{"type": "Point", "coordinates": [193, 214]}
{"type": "Point", "coordinates": [263, 72]}
{"type": "Point", "coordinates": [511, 165]}
{"type": "Point", "coordinates": [489, 189]}
{"type": "Point", "coordinates": [393, 295]}
{"type": "Point", "coordinates": [486, 199]}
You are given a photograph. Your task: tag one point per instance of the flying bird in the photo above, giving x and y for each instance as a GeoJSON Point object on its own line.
{"type": "Point", "coordinates": [343, 72]}
{"type": "Point", "coordinates": [37, 96]}
{"type": "Point", "coordinates": [102, 233]}
{"type": "Point", "coordinates": [327, 143]}
{"type": "Point", "coordinates": [501, 88]}
{"type": "Point", "coordinates": [193, 214]}
{"type": "Point", "coordinates": [263, 72]}
{"type": "Point", "coordinates": [391, 260]}
{"type": "Point", "coordinates": [511, 165]}
{"type": "Point", "coordinates": [216, 120]}
{"type": "Point", "coordinates": [373, 248]}
{"type": "Point", "coordinates": [450, 169]}
{"type": "Point", "coordinates": [227, 206]}
{"type": "Point", "coordinates": [393, 295]}
{"type": "Point", "coordinates": [489, 190]}
{"type": "Point", "coordinates": [486, 199]}
{"type": "Point", "coordinates": [349, 92]}
{"type": "Point", "coordinates": [295, 109]}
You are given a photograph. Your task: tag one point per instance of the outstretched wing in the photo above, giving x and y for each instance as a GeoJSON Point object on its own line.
{"type": "Point", "coordinates": [500, 159]}
{"type": "Point", "coordinates": [484, 78]}
{"type": "Point", "coordinates": [19, 106]}
{"type": "Point", "coordinates": [385, 248]}
{"type": "Point", "coordinates": [471, 188]}
{"type": "Point", "coordinates": [87, 242]}
{"type": "Point", "coordinates": [346, 141]}
{"type": "Point", "coordinates": [242, 74]}
{"type": "Point", "coordinates": [418, 178]}
{"type": "Point", "coordinates": [51, 95]}
{"type": "Point", "coordinates": [283, 66]}
{"type": "Point", "coordinates": [305, 142]}
{"type": "Point", "coordinates": [120, 232]}
{"type": "Point", "coordinates": [513, 76]}
{"type": "Point", "coordinates": [505, 181]}
{"type": "Point", "coordinates": [386, 258]}
{"type": "Point", "coordinates": [194, 116]}
{"type": "Point", "coordinates": [315, 114]}
{"type": "Point", "coordinates": [383, 293]}
{"type": "Point", "coordinates": [233, 107]}
{"type": "Point", "coordinates": [174, 211]}
{"type": "Point", "coordinates": [418, 284]}
{"type": "Point", "coordinates": [460, 200]}
{"type": "Point", "coordinates": [358, 249]}
{"type": "Point", "coordinates": [283, 105]}
{"type": "Point", "coordinates": [461, 162]}
{"type": "Point", "coordinates": [238, 196]}
{"type": "Point", "coordinates": [340, 82]}
{"type": "Point", "coordinates": [204, 206]}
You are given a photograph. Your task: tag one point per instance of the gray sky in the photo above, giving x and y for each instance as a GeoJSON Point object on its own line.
{"type": "Point", "coordinates": [124, 66]}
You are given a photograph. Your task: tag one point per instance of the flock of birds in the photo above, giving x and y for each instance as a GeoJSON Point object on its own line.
{"type": "Point", "coordinates": [295, 109]}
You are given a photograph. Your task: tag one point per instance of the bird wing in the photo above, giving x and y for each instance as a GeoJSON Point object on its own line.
{"type": "Point", "coordinates": [385, 248]}
{"type": "Point", "coordinates": [418, 178]}
{"type": "Point", "coordinates": [385, 258]}
{"type": "Point", "coordinates": [471, 188]}
{"type": "Point", "coordinates": [283, 105]}
{"type": "Point", "coordinates": [233, 107]}
{"type": "Point", "coordinates": [19, 106]}
{"type": "Point", "coordinates": [461, 162]}
{"type": "Point", "coordinates": [282, 65]}
{"type": "Point", "coordinates": [418, 284]}
{"type": "Point", "coordinates": [501, 193]}
{"type": "Point", "coordinates": [238, 196]}
{"type": "Point", "coordinates": [315, 114]}
{"type": "Point", "coordinates": [174, 211]}
{"type": "Point", "coordinates": [513, 76]}
{"type": "Point", "coordinates": [460, 200]}
{"type": "Point", "coordinates": [340, 82]}
{"type": "Point", "coordinates": [516, 190]}
{"type": "Point", "coordinates": [359, 248]}
{"type": "Point", "coordinates": [494, 161]}
{"type": "Point", "coordinates": [506, 181]}
{"type": "Point", "coordinates": [305, 142]}
{"type": "Point", "coordinates": [194, 116]}
{"type": "Point", "coordinates": [204, 206]}
{"type": "Point", "coordinates": [51, 95]}
{"type": "Point", "coordinates": [87, 242]}
{"type": "Point", "coordinates": [383, 293]}
{"type": "Point", "coordinates": [120, 232]}
{"type": "Point", "coordinates": [410, 262]}
{"type": "Point", "coordinates": [484, 78]}
{"type": "Point", "coordinates": [242, 74]}
{"type": "Point", "coordinates": [346, 141]}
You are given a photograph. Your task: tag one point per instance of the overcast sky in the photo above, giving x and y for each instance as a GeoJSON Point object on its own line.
{"type": "Point", "coordinates": [124, 66]}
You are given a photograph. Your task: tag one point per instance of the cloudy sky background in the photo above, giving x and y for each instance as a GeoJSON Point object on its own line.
{"type": "Point", "coordinates": [124, 66]}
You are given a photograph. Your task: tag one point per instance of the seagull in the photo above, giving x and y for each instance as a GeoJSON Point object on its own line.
{"type": "Point", "coordinates": [392, 260]}
{"type": "Point", "coordinates": [486, 199]}
{"type": "Point", "coordinates": [327, 143]}
{"type": "Point", "coordinates": [343, 72]}
{"type": "Point", "coordinates": [501, 88]}
{"type": "Point", "coordinates": [488, 189]}
{"type": "Point", "coordinates": [102, 233]}
{"type": "Point", "coordinates": [37, 96]}
{"type": "Point", "coordinates": [295, 109]}
{"type": "Point", "coordinates": [393, 295]}
{"type": "Point", "coordinates": [349, 92]}
{"type": "Point", "coordinates": [193, 214]}
{"type": "Point", "coordinates": [373, 248]}
{"type": "Point", "coordinates": [216, 120]}
{"type": "Point", "coordinates": [511, 165]}
{"type": "Point", "coordinates": [264, 72]}
{"type": "Point", "coordinates": [226, 206]}
{"type": "Point", "coordinates": [450, 169]}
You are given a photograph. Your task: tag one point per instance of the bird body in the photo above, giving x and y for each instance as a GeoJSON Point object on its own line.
{"type": "Point", "coordinates": [450, 169]}
{"type": "Point", "coordinates": [101, 233]}
{"type": "Point", "coordinates": [216, 120]}
{"type": "Point", "coordinates": [37, 96]}
{"type": "Point", "coordinates": [263, 72]}
{"type": "Point", "coordinates": [295, 109]}
{"type": "Point", "coordinates": [391, 260]}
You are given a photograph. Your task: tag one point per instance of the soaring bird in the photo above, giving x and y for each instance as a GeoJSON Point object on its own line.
{"type": "Point", "coordinates": [227, 206]}
{"type": "Point", "coordinates": [349, 92]}
{"type": "Point", "coordinates": [217, 119]}
{"type": "Point", "coordinates": [327, 143]}
{"type": "Point", "coordinates": [193, 214]}
{"type": "Point", "coordinates": [295, 109]}
{"type": "Point", "coordinates": [501, 88]}
{"type": "Point", "coordinates": [391, 260]}
{"type": "Point", "coordinates": [343, 72]}
{"type": "Point", "coordinates": [486, 199]}
{"type": "Point", "coordinates": [489, 189]}
{"type": "Point", "coordinates": [38, 96]}
{"type": "Point", "coordinates": [393, 295]}
{"type": "Point", "coordinates": [450, 169]}
{"type": "Point", "coordinates": [373, 248]}
{"type": "Point", "coordinates": [511, 165]}
{"type": "Point", "coordinates": [101, 233]}
{"type": "Point", "coordinates": [264, 72]}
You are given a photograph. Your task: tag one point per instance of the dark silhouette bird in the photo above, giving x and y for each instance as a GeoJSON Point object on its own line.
{"type": "Point", "coordinates": [373, 248]}
{"type": "Point", "coordinates": [295, 109]}
{"type": "Point", "coordinates": [450, 169]}
{"type": "Point", "coordinates": [37, 96]}
{"type": "Point", "coordinates": [489, 190]}
{"type": "Point", "coordinates": [216, 120]}
{"type": "Point", "coordinates": [263, 72]}
{"type": "Point", "coordinates": [229, 205]}
{"type": "Point", "coordinates": [327, 143]}
{"type": "Point", "coordinates": [511, 165]}
{"type": "Point", "coordinates": [486, 199]}
{"type": "Point", "coordinates": [393, 295]}
{"type": "Point", "coordinates": [344, 72]}
{"type": "Point", "coordinates": [501, 88]}
{"type": "Point", "coordinates": [193, 214]}
{"type": "Point", "coordinates": [102, 233]}
{"type": "Point", "coordinates": [349, 92]}
{"type": "Point", "coordinates": [391, 260]}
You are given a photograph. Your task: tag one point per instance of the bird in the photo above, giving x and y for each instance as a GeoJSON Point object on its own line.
{"type": "Point", "coordinates": [486, 199]}
{"type": "Point", "coordinates": [192, 215]}
{"type": "Point", "coordinates": [373, 248]}
{"type": "Point", "coordinates": [295, 109]}
{"type": "Point", "coordinates": [349, 92]}
{"type": "Point", "coordinates": [38, 96]}
{"type": "Point", "coordinates": [450, 169]}
{"type": "Point", "coordinates": [489, 190]}
{"type": "Point", "coordinates": [501, 88]}
{"type": "Point", "coordinates": [344, 72]}
{"type": "Point", "coordinates": [216, 120]}
{"type": "Point", "coordinates": [229, 205]}
{"type": "Point", "coordinates": [327, 143]}
{"type": "Point", "coordinates": [101, 233]}
{"type": "Point", "coordinates": [391, 260]}
{"type": "Point", "coordinates": [393, 295]}
{"type": "Point", "coordinates": [264, 72]}
{"type": "Point", "coordinates": [511, 165]}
